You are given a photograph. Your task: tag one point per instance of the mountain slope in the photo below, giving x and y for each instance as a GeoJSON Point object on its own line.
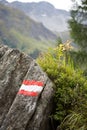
{"type": "Point", "coordinates": [19, 31]}
{"type": "Point", "coordinates": [54, 19]}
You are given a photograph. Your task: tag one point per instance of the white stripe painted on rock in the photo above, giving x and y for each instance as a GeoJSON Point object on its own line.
{"type": "Point", "coordinates": [31, 88]}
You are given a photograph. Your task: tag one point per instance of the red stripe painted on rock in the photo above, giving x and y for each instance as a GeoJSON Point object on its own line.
{"type": "Point", "coordinates": [27, 93]}
{"type": "Point", "coordinates": [32, 82]}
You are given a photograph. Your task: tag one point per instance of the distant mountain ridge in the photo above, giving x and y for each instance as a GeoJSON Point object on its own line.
{"type": "Point", "coordinates": [52, 18]}
{"type": "Point", "coordinates": [36, 30]}
{"type": "Point", "coordinates": [19, 31]}
{"type": "Point", "coordinates": [32, 27]}
{"type": "Point", "coordinates": [4, 2]}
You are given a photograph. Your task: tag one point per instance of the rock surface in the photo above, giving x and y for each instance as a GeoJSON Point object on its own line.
{"type": "Point", "coordinates": [20, 111]}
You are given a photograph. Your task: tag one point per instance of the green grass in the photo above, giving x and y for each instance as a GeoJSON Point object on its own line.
{"type": "Point", "coordinates": [28, 44]}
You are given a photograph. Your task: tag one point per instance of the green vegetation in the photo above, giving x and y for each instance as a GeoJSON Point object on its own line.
{"type": "Point", "coordinates": [70, 88]}
{"type": "Point", "coordinates": [78, 30]}
{"type": "Point", "coordinates": [70, 81]}
{"type": "Point", "coordinates": [28, 44]}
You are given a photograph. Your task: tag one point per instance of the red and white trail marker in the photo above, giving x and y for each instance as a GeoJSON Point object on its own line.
{"type": "Point", "coordinates": [31, 88]}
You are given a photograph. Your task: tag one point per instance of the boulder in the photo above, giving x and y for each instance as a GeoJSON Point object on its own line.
{"type": "Point", "coordinates": [26, 93]}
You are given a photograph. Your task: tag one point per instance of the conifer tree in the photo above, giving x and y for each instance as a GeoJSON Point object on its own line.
{"type": "Point", "coordinates": [78, 24]}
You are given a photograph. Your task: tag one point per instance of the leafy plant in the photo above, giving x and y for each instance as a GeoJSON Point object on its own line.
{"type": "Point", "coordinates": [70, 88]}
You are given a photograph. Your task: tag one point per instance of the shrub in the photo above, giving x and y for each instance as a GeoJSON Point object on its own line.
{"type": "Point", "coordinates": [70, 88]}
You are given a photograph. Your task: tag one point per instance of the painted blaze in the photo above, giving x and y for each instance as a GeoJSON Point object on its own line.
{"type": "Point", "coordinates": [31, 88]}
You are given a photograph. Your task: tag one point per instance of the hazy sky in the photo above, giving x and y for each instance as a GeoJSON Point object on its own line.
{"type": "Point", "coordinates": [60, 4]}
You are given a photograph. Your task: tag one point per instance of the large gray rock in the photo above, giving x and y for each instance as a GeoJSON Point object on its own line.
{"type": "Point", "coordinates": [19, 111]}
